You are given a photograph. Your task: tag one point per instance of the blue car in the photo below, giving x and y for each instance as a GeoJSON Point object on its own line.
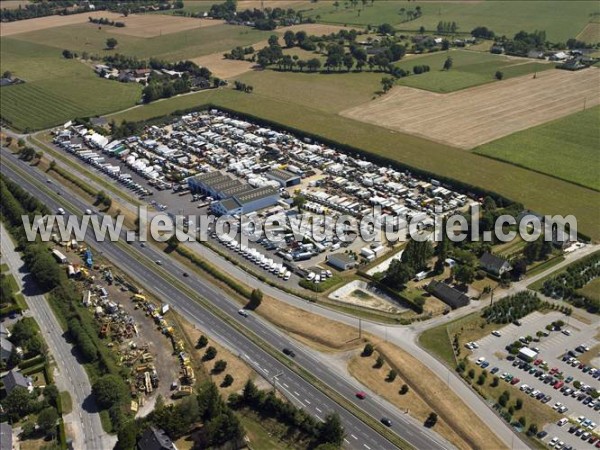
{"type": "Point", "coordinates": [484, 364]}
{"type": "Point", "coordinates": [494, 370]}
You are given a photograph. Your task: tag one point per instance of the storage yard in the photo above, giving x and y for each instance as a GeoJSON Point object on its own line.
{"type": "Point", "coordinates": [137, 328]}
{"type": "Point", "coordinates": [210, 162]}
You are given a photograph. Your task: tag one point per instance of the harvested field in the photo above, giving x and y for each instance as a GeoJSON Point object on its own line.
{"type": "Point", "coordinates": [590, 33]}
{"type": "Point", "coordinates": [152, 25]}
{"type": "Point", "coordinates": [43, 23]}
{"type": "Point", "coordinates": [13, 4]}
{"type": "Point", "coordinates": [224, 68]}
{"type": "Point", "coordinates": [472, 117]}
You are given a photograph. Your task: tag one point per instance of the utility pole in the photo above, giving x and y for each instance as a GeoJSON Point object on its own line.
{"type": "Point", "coordinates": [359, 328]}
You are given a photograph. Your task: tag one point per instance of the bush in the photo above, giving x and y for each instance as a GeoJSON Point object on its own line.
{"type": "Point", "coordinates": [368, 350]}
{"type": "Point", "coordinates": [379, 362]}
{"type": "Point", "coordinates": [202, 342]}
{"type": "Point", "coordinates": [403, 389]}
{"type": "Point", "coordinates": [227, 381]}
{"type": "Point", "coordinates": [392, 374]}
{"type": "Point", "coordinates": [210, 353]}
{"type": "Point", "coordinates": [220, 366]}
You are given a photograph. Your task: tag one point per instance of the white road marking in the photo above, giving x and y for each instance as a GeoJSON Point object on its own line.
{"type": "Point", "coordinates": [367, 447]}
{"type": "Point", "coordinates": [307, 401]}
{"type": "Point", "coordinates": [319, 418]}
{"type": "Point", "coordinates": [346, 440]}
{"type": "Point", "coordinates": [318, 409]}
{"type": "Point", "coordinates": [285, 384]}
{"type": "Point", "coordinates": [353, 437]}
{"type": "Point", "coordinates": [298, 395]}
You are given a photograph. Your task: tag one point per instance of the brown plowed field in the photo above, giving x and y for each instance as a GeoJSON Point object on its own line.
{"type": "Point", "coordinates": [142, 25]}
{"type": "Point", "coordinates": [471, 117]}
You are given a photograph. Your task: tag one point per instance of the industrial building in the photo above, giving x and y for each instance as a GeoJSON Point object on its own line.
{"type": "Point", "coordinates": [283, 177]}
{"type": "Point", "coordinates": [341, 261]}
{"type": "Point", "coordinates": [233, 196]}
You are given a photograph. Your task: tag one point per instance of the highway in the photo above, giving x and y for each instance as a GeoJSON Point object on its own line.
{"type": "Point", "coordinates": [139, 263]}
{"type": "Point", "coordinates": [84, 422]}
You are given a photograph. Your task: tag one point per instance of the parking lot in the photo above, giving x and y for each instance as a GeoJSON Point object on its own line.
{"type": "Point", "coordinates": [547, 378]}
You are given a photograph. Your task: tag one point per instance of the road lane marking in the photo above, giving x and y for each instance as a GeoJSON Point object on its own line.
{"type": "Point", "coordinates": [346, 440]}
{"type": "Point", "coordinates": [285, 384]}
{"type": "Point", "coordinates": [307, 401]}
{"type": "Point", "coordinates": [367, 447]}
{"type": "Point", "coordinates": [353, 437]}
{"type": "Point", "coordinates": [296, 394]}
{"type": "Point", "coordinates": [318, 410]}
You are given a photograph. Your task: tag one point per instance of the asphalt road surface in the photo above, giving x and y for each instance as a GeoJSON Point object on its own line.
{"type": "Point", "coordinates": [139, 264]}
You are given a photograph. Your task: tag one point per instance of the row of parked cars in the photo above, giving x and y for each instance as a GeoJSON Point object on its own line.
{"type": "Point", "coordinates": [253, 255]}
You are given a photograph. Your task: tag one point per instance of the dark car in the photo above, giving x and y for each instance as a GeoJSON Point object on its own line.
{"type": "Point", "coordinates": [517, 323]}
{"type": "Point", "coordinates": [185, 274]}
{"type": "Point", "coordinates": [387, 422]}
{"type": "Point", "coordinates": [542, 434]}
{"type": "Point", "coordinates": [572, 429]}
{"type": "Point", "coordinates": [289, 352]}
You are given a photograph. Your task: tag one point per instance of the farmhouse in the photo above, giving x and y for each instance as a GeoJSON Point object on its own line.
{"type": "Point", "coordinates": [446, 293]}
{"type": "Point", "coordinates": [494, 264]}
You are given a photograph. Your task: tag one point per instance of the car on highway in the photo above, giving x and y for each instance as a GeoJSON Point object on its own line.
{"type": "Point", "coordinates": [88, 212]}
{"type": "Point", "coordinates": [387, 422]}
{"type": "Point", "coordinates": [159, 262]}
{"type": "Point", "coordinates": [244, 313]}
{"type": "Point", "coordinates": [361, 394]}
{"type": "Point", "coordinates": [60, 211]}
{"type": "Point", "coordinates": [289, 352]}
{"type": "Point", "coordinates": [185, 274]}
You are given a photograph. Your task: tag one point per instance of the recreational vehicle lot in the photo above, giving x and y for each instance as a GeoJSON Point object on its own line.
{"type": "Point", "coordinates": [474, 116]}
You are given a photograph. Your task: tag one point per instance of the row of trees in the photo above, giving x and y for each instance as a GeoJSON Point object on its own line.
{"type": "Point", "coordinates": [243, 87]}
{"type": "Point", "coordinates": [106, 21]}
{"type": "Point", "coordinates": [446, 27]}
{"type": "Point", "coordinates": [512, 307]}
{"type": "Point", "coordinates": [567, 285]}
{"type": "Point", "coordinates": [67, 7]}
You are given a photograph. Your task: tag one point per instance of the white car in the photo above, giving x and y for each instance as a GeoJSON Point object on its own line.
{"type": "Point", "coordinates": [562, 421]}
{"type": "Point", "coordinates": [480, 361]}
{"type": "Point", "coordinates": [523, 387]}
{"type": "Point", "coordinates": [496, 333]}
{"type": "Point", "coordinates": [553, 442]}
{"type": "Point", "coordinates": [311, 276]}
{"type": "Point", "coordinates": [557, 405]}
{"type": "Point", "coordinates": [243, 313]}
{"type": "Point", "coordinates": [287, 275]}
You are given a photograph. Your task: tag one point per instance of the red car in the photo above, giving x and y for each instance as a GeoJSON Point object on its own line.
{"type": "Point", "coordinates": [362, 395]}
{"type": "Point", "coordinates": [515, 381]}
{"type": "Point", "coordinates": [537, 362]}
{"type": "Point", "coordinates": [553, 370]}
{"type": "Point", "coordinates": [559, 384]}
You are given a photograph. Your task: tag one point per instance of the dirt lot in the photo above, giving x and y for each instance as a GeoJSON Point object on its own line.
{"type": "Point", "coordinates": [362, 369]}
{"type": "Point", "coordinates": [240, 371]}
{"type": "Point", "coordinates": [43, 23]}
{"type": "Point", "coordinates": [152, 25]}
{"type": "Point", "coordinates": [471, 117]}
{"type": "Point", "coordinates": [224, 68]}
{"type": "Point", "coordinates": [13, 4]}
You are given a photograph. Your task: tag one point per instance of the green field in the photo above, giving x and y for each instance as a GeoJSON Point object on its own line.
{"type": "Point", "coordinates": [560, 19]}
{"type": "Point", "coordinates": [592, 289]}
{"type": "Point", "coordinates": [332, 92]}
{"type": "Point", "coordinates": [539, 192]}
{"type": "Point", "coordinates": [566, 148]}
{"type": "Point", "coordinates": [171, 47]}
{"type": "Point", "coordinates": [469, 69]}
{"type": "Point", "coordinates": [56, 90]}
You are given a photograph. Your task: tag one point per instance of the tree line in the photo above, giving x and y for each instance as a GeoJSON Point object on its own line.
{"type": "Point", "coordinates": [106, 21]}
{"type": "Point", "coordinates": [64, 8]}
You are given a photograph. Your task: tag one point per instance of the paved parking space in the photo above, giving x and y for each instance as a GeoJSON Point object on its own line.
{"type": "Point", "coordinates": [551, 349]}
